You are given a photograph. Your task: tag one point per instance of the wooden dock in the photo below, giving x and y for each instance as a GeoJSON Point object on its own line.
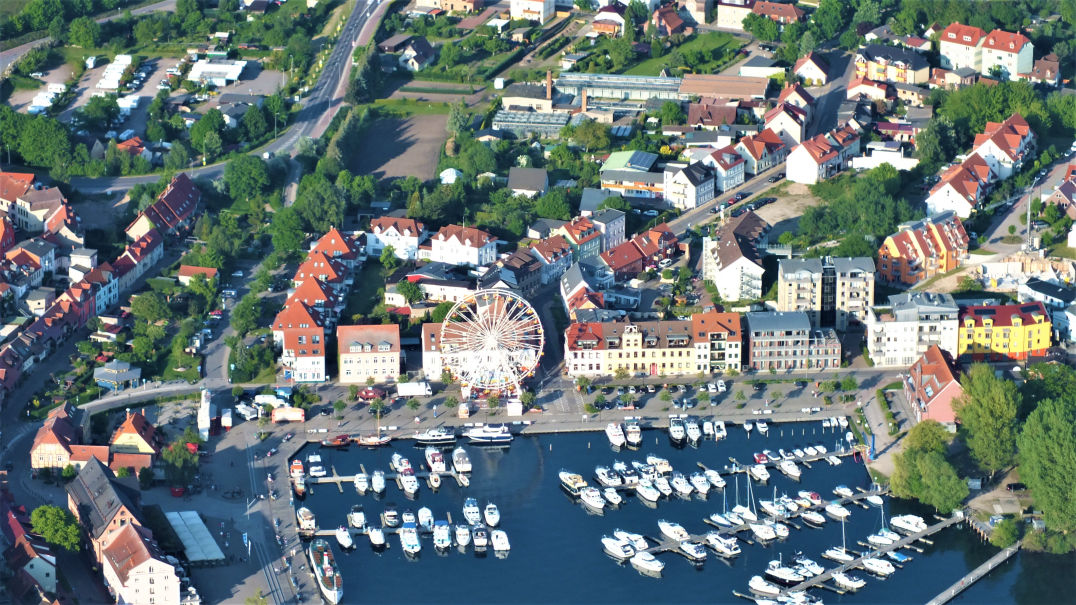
{"type": "Point", "coordinates": [974, 576]}
{"type": "Point", "coordinates": [818, 580]}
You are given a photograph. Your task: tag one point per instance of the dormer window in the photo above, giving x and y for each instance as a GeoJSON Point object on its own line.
{"type": "Point", "coordinates": [967, 38]}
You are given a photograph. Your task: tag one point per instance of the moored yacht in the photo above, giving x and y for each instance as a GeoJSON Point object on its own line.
{"type": "Point", "coordinates": [435, 436]}
{"type": "Point", "coordinates": [876, 566]}
{"type": "Point", "coordinates": [839, 554]}
{"type": "Point", "coordinates": [762, 531]}
{"type": "Point", "coordinates": [306, 520]}
{"type": "Point", "coordinates": [722, 545]}
{"type": "Point", "coordinates": [471, 513]}
{"type": "Point", "coordinates": [748, 426]}
{"type": "Point", "coordinates": [700, 483]}
{"type": "Point", "coordinates": [435, 460]}
{"type": "Point", "coordinates": [618, 549]}
{"type": "Point", "coordinates": [489, 435]}
{"type": "Point", "coordinates": [572, 482]}
{"type": "Point", "coordinates": [500, 541]}
{"type": "Point", "coordinates": [663, 486]}
{"type": "Point", "coordinates": [759, 585]}
{"type": "Point", "coordinates": [810, 451]}
{"type": "Point", "coordinates": [708, 429]}
{"type": "Point", "coordinates": [399, 463]}
{"type": "Point", "coordinates": [693, 551]}
{"type": "Point", "coordinates": [491, 514]}
{"type": "Point", "coordinates": [612, 496]}
{"type": "Point", "coordinates": [297, 468]}
{"type": "Point", "coordinates": [343, 537]}
{"type": "Point", "coordinates": [813, 517]}
{"type": "Point", "coordinates": [786, 576]}
{"type": "Point", "coordinates": [744, 513]}
{"type": "Point", "coordinates": [615, 433]}
{"type": "Point", "coordinates": [425, 519]}
{"type": "Point", "coordinates": [324, 567]}
{"type": "Point", "coordinates": [661, 465]}
{"type": "Point", "coordinates": [463, 535]}
{"type": "Point", "coordinates": [377, 537]}
{"type": "Point", "coordinates": [847, 581]}
{"type": "Point", "coordinates": [789, 468]}
{"type": "Point", "coordinates": [759, 472]}
{"type": "Point", "coordinates": [837, 511]}
{"type": "Point", "coordinates": [480, 537]}
{"type": "Point", "coordinates": [409, 539]}
{"type": "Point", "coordinates": [316, 469]}
{"type": "Point", "coordinates": [673, 531]}
{"type": "Point", "coordinates": [461, 461]}
{"type": "Point", "coordinates": [779, 529]}
{"type": "Point", "coordinates": [377, 482]}
{"type": "Point", "coordinates": [809, 566]}
{"type": "Point", "coordinates": [637, 541]}
{"type": "Point", "coordinates": [721, 520]}
{"type": "Point", "coordinates": [676, 429]}
{"type": "Point", "coordinates": [633, 434]}
{"type": "Point", "coordinates": [646, 562]}
{"type": "Point", "coordinates": [681, 484]}
{"type": "Point", "coordinates": [362, 482]}
{"type": "Point", "coordinates": [719, 430]}
{"type": "Point", "coordinates": [691, 429]}
{"type": "Point", "coordinates": [714, 478]}
{"type": "Point", "coordinates": [409, 482]}
{"type": "Point", "coordinates": [762, 427]}
{"type": "Point", "coordinates": [442, 535]}
{"type": "Point", "coordinates": [391, 516]}
{"type": "Point", "coordinates": [592, 497]}
{"type": "Point", "coordinates": [647, 491]}
{"type": "Point", "coordinates": [608, 477]}
{"type": "Point", "coordinates": [908, 524]}
{"type": "Point", "coordinates": [357, 517]}
{"type": "Point", "coordinates": [843, 491]}
{"type": "Point", "coordinates": [833, 460]}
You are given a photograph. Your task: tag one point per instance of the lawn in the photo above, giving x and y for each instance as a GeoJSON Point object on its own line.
{"type": "Point", "coordinates": [12, 7]}
{"type": "Point", "coordinates": [1063, 251]}
{"type": "Point", "coordinates": [711, 46]}
{"type": "Point", "coordinates": [368, 291]}
{"type": "Point", "coordinates": [405, 108]}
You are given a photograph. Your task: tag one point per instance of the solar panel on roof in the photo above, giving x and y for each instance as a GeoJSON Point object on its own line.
{"type": "Point", "coordinates": [1029, 308]}
{"type": "Point", "coordinates": [985, 311]}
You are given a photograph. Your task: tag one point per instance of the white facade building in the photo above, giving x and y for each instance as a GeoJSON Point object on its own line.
{"type": "Point", "coordinates": [728, 168]}
{"type": "Point", "coordinates": [1012, 53]}
{"type": "Point", "coordinates": [458, 245]}
{"type": "Point", "coordinates": [403, 234]}
{"type": "Point", "coordinates": [899, 335]}
{"type": "Point", "coordinates": [687, 187]}
{"type": "Point", "coordinates": [532, 10]}
{"type": "Point", "coordinates": [961, 46]}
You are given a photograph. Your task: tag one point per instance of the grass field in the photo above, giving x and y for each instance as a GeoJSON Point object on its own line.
{"type": "Point", "coordinates": [11, 7]}
{"type": "Point", "coordinates": [712, 47]}
{"type": "Point", "coordinates": [405, 108]}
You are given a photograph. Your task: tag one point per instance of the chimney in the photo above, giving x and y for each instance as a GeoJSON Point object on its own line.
{"type": "Point", "coordinates": [549, 84]}
{"type": "Point", "coordinates": [584, 109]}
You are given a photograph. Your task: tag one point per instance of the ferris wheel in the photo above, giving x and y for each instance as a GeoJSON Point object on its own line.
{"type": "Point", "coordinates": [491, 341]}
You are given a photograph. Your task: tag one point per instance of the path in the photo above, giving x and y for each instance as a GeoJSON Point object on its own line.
{"type": "Point", "coordinates": [974, 576]}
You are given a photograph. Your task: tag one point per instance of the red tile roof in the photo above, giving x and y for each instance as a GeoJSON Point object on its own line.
{"type": "Point", "coordinates": [1003, 41]}
{"type": "Point", "coordinates": [794, 111]}
{"type": "Point", "coordinates": [778, 11]}
{"type": "Point", "coordinates": [337, 245]}
{"type": "Point", "coordinates": [372, 334]}
{"type": "Point", "coordinates": [1004, 315]}
{"type": "Point", "coordinates": [1007, 135]}
{"type": "Point", "coordinates": [407, 226]}
{"type": "Point", "coordinates": [136, 424]}
{"type": "Point", "coordinates": [727, 158]}
{"type": "Point", "coordinates": [814, 58]}
{"type": "Point", "coordinates": [297, 315]}
{"type": "Point", "coordinates": [314, 293]}
{"type": "Point", "coordinates": [319, 266]}
{"type": "Point", "coordinates": [132, 546]}
{"type": "Point", "coordinates": [581, 230]}
{"type": "Point", "coordinates": [468, 236]}
{"type": "Point", "coordinates": [820, 149]}
{"type": "Point", "coordinates": [552, 248]}
{"type": "Point", "coordinates": [965, 35]}
{"type": "Point", "coordinates": [929, 380]}
{"type": "Point", "coordinates": [796, 90]}
{"type": "Point", "coordinates": [133, 146]}
{"type": "Point", "coordinates": [764, 142]}
{"type": "Point", "coordinates": [622, 256]}
{"type": "Point", "coordinates": [192, 270]}
{"type": "Point", "coordinates": [710, 114]}
{"type": "Point", "coordinates": [175, 204]}
{"type": "Point", "coordinates": [15, 184]}
{"type": "Point", "coordinates": [704, 324]}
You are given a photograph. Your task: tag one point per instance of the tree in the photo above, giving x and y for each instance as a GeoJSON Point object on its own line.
{"type": "Point", "coordinates": [254, 123]}
{"type": "Point", "coordinates": [583, 384]}
{"type": "Point", "coordinates": [591, 135]}
{"type": "Point", "coordinates": [211, 122]}
{"type": "Point", "coordinates": [988, 412]}
{"type": "Point", "coordinates": [247, 177]}
{"type": "Point", "coordinates": [99, 113]}
{"type": "Point", "coordinates": [339, 406]}
{"type": "Point", "coordinates": [671, 113]}
{"type": "Point", "coordinates": [411, 291]}
{"type": "Point", "coordinates": [928, 436]}
{"type": "Point", "coordinates": [492, 403]}
{"type": "Point", "coordinates": [1005, 534]}
{"type": "Point", "coordinates": [807, 43]}
{"type": "Point", "coordinates": [450, 402]}
{"type": "Point", "coordinates": [621, 373]}
{"type": "Point", "coordinates": [458, 118]}
{"type": "Point", "coordinates": [145, 478]}
{"type": "Point", "coordinates": [353, 392]}
{"type": "Point", "coordinates": [388, 259]}
{"type": "Point", "coordinates": [942, 488]}
{"type": "Point", "coordinates": [57, 526]}
{"type": "Point", "coordinates": [527, 398]}
{"type": "Point", "coordinates": [378, 406]}
{"type": "Point", "coordinates": [68, 472]}
{"type": "Point", "coordinates": [867, 12]}
{"type": "Point", "coordinates": [246, 314]}
{"type": "Point", "coordinates": [84, 32]}
{"type": "Point", "coordinates": [180, 463]}
{"type": "Point", "coordinates": [287, 231]}
{"type": "Point", "coordinates": [150, 307]}
{"type": "Point", "coordinates": [123, 472]}
{"type": "Point", "coordinates": [554, 205]}
{"type": "Point", "coordinates": [211, 147]}
{"type": "Point", "coordinates": [1047, 446]}
{"type": "Point", "coordinates": [413, 404]}
{"type": "Point", "coordinates": [849, 383]}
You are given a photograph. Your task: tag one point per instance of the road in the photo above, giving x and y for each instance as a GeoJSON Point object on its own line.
{"type": "Point", "coordinates": [319, 107]}
{"type": "Point", "coordinates": [12, 55]}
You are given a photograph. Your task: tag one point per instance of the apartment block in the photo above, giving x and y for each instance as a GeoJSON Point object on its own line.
{"type": "Point", "coordinates": [718, 340]}
{"type": "Point", "coordinates": [731, 257]}
{"type": "Point", "coordinates": [648, 348]}
{"type": "Point", "coordinates": [923, 249]}
{"type": "Point", "coordinates": [1000, 332]}
{"type": "Point", "coordinates": [786, 341]}
{"type": "Point", "coordinates": [913, 322]}
{"type": "Point", "coordinates": [833, 292]}
{"type": "Point", "coordinates": [368, 351]}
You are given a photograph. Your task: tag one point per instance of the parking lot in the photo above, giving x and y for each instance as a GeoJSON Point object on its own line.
{"type": "Point", "coordinates": [137, 120]}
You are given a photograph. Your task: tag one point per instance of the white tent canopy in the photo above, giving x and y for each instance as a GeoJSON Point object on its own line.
{"type": "Point", "coordinates": [198, 543]}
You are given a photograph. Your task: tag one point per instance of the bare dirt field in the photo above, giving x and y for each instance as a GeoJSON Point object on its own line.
{"type": "Point", "coordinates": [792, 200]}
{"type": "Point", "coordinates": [393, 148]}
{"type": "Point", "coordinates": [20, 99]}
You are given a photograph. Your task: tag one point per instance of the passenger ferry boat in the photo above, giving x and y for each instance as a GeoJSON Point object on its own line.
{"type": "Point", "coordinates": [324, 567]}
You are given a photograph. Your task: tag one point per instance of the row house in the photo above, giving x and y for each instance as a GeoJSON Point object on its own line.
{"type": "Point", "coordinates": [641, 252]}
{"type": "Point", "coordinates": [368, 351]}
{"type": "Point", "coordinates": [1005, 145]}
{"type": "Point", "coordinates": [923, 249]}
{"type": "Point", "coordinates": [135, 444]}
{"type": "Point", "coordinates": [37, 210]}
{"type": "Point", "coordinates": [762, 151]}
{"type": "Point", "coordinates": [1010, 54]}
{"type": "Point", "coordinates": [719, 340]}
{"type": "Point", "coordinates": [960, 46]}
{"type": "Point", "coordinates": [613, 225]}
{"type": "Point", "coordinates": [862, 88]}
{"type": "Point", "coordinates": [173, 213]}
{"type": "Point", "coordinates": [648, 348]}
{"type": "Point", "coordinates": [787, 121]}
{"type": "Point", "coordinates": [299, 331]}
{"type": "Point", "coordinates": [899, 333]}
{"type": "Point", "coordinates": [822, 156]}
{"type": "Point", "coordinates": [961, 188]}
{"type": "Point", "coordinates": [688, 186]}
{"type": "Point", "coordinates": [891, 64]}
{"type": "Point", "coordinates": [832, 291]}
{"type": "Point", "coordinates": [555, 255]}
{"type": "Point", "coordinates": [1046, 70]}
{"type": "Point", "coordinates": [403, 234]}
{"type": "Point", "coordinates": [731, 13]}
{"type": "Point", "coordinates": [330, 272]}
{"type": "Point", "coordinates": [137, 258]}
{"type": "Point", "coordinates": [463, 246]}
{"type": "Point", "coordinates": [519, 271]}
{"type": "Point", "coordinates": [33, 564]}
{"type": "Point", "coordinates": [932, 388]}
{"type": "Point", "coordinates": [317, 295]}
{"type": "Point", "coordinates": [58, 442]}
{"type": "Point", "coordinates": [732, 258]}
{"type": "Point", "coordinates": [1003, 332]}
{"type": "Point", "coordinates": [786, 341]}
{"type": "Point", "coordinates": [350, 251]}
{"type": "Point", "coordinates": [728, 167]}
{"type": "Point", "coordinates": [582, 236]}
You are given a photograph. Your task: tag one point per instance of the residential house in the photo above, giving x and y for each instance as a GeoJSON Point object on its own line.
{"type": "Point", "coordinates": [778, 11]}
{"type": "Point", "coordinates": [33, 564]}
{"type": "Point", "coordinates": [418, 54]}
{"type": "Point", "coordinates": [711, 115]}
{"type": "Point", "coordinates": [532, 10]}
{"type": "Point", "coordinates": [609, 20]}
{"type": "Point", "coordinates": [136, 436]}
{"type": "Point", "coordinates": [1057, 299]}
{"type": "Point", "coordinates": [137, 571]}
{"type": "Point", "coordinates": [651, 348]}
{"type": "Point", "coordinates": [923, 249]}
{"type": "Point", "coordinates": [626, 261]}
{"type": "Point", "coordinates": [343, 248]}
{"type": "Point", "coordinates": [459, 245]}
{"type": "Point", "coordinates": [639, 253]}
{"type": "Point", "coordinates": [1046, 70]}
{"type": "Point", "coordinates": [403, 234]}
{"type": "Point", "coordinates": [1007, 54]}
{"type": "Point", "coordinates": [370, 351]}
{"type": "Point", "coordinates": [787, 121]}
{"type": "Point", "coordinates": [1003, 332]}
{"type": "Point", "coordinates": [519, 271]}
{"type": "Point", "coordinates": [882, 63]}
{"type": "Point", "coordinates": [728, 167]}
{"type": "Point", "coordinates": [137, 258]}
{"type": "Point", "coordinates": [530, 182]}
{"type": "Point", "coordinates": [187, 273]}
{"type": "Point", "coordinates": [101, 504]}
{"type": "Point", "coordinates": [786, 341]}
{"type": "Point", "coordinates": [461, 6]}
{"type": "Point", "coordinates": [688, 186]}
{"type": "Point", "coordinates": [117, 375]}
{"type": "Point", "coordinates": [613, 225]}
{"type": "Point", "coordinates": [1006, 145]}
{"type": "Point", "coordinates": [731, 257]}
{"type": "Point", "coordinates": [432, 362]}
{"type": "Point", "coordinates": [666, 20]}
{"type": "Point", "coordinates": [555, 254]}
{"type": "Point", "coordinates": [1064, 197]}
{"type": "Point", "coordinates": [797, 95]}
{"type": "Point", "coordinates": [718, 339]}
{"type": "Point", "coordinates": [55, 438]}
{"type": "Point", "coordinates": [822, 156]}
{"type": "Point", "coordinates": [833, 292]}
{"type": "Point", "coordinates": [299, 332]}
{"type": "Point", "coordinates": [961, 46]}
{"type": "Point", "coordinates": [582, 236]}
{"type": "Point", "coordinates": [762, 151]}
{"type": "Point", "coordinates": [962, 188]}
{"type": "Point", "coordinates": [634, 184]}
{"type": "Point", "coordinates": [588, 204]}
{"type": "Point", "coordinates": [699, 10]}
{"type": "Point", "coordinates": [862, 88]}
{"type": "Point", "coordinates": [731, 13]}
{"type": "Point", "coordinates": [7, 235]}
{"type": "Point", "coordinates": [174, 211]}
{"type": "Point", "coordinates": [952, 79]}
{"type": "Point", "coordinates": [813, 69]}
{"type": "Point", "coordinates": [542, 228]}
{"type": "Point", "coordinates": [330, 272]}
{"type": "Point", "coordinates": [932, 388]}
{"type": "Point", "coordinates": [319, 296]}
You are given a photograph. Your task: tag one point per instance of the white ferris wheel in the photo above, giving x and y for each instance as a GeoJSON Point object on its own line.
{"type": "Point", "coordinates": [491, 341]}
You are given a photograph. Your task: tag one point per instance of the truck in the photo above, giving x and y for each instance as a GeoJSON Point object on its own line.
{"type": "Point", "coordinates": [270, 400]}
{"type": "Point", "coordinates": [246, 411]}
{"type": "Point", "coordinates": [289, 414]}
{"type": "Point", "coordinates": [414, 389]}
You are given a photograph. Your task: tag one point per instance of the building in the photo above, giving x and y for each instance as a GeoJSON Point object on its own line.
{"type": "Point", "coordinates": [731, 13]}
{"type": "Point", "coordinates": [613, 225]}
{"type": "Point", "coordinates": [1003, 332]}
{"type": "Point", "coordinates": [813, 69]}
{"type": "Point", "coordinates": [1058, 299]}
{"type": "Point", "coordinates": [962, 188]}
{"type": "Point", "coordinates": [1046, 70]}
{"type": "Point", "coordinates": [174, 211]}
{"type": "Point", "coordinates": [468, 246]}
{"type": "Point", "coordinates": [58, 441]}
{"type": "Point", "coordinates": [788, 121]}
{"type": "Point", "coordinates": [833, 292]}
{"type": "Point", "coordinates": [619, 86]}
{"type": "Point", "coordinates": [931, 387]}
{"type": "Point", "coordinates": [760, 67]}
{"type": "Point", "coordinates": [785, 341]}
{"type": "Point", "coordinates": [117, 375]}
{"type": "Point", "coordinates": [582, 236]}
{"type": "Point", "coordinates": [822, 156]}
{"type": "Point", "coordinates": [891, 64]}
{"type": "Point", "coordinates": [524, 124]}
{"type": "Point", "coordinates": [218, 72]}
{"type": "Point", "coordinates": [699, 10]}
{"type": "Point", "coordinates": [649, 348]}
{"type": "Point", "coordinates": [34, 566]}
{"type": "Point", "coordinates": [711, 116]}
{"type": "Point", "coordinates": [641, 252]}
{"type": "Point", "coordinates": [862, 88]}
{"type": "Point", "coordinates": [688, 186]}
{"type": "Point", "coordinates": [532, 10]}
{"type": "Point", "coordinates": [137, 571]}
{"type": "Point", "coordinates": [780, 12]}
{"type": "Point", "coordinates": [666, 20]}
{"type": "Point", "coordinates": [530, 182]}
{"type": "Point", "coordinates": [519, 271]}
{"type": "Point", "coordinates": [555, 254]}
{"type": "Point", "coordinates": [592, 198]}
{"type": "Point", "coordinates": [299, 332]}
{"type": "Point", "coordinates": [418, 54]}
{"type": "Point", "coordinates": [187, 273]}
{"type": "Point", "coordinates": [1064, 197]}
{"type": "Point", "coordinates": [796, 95]}
{"type": "Point", "coordinates": [340, 247]}
{"type": "Point", "coordinates": [762, 151]}
{"type": "Point", "coordinates": [722, 86]}
{"type": "Point", "coordinates": [135, 436]}
{"type": "Point", "coordinates": [913, 322]}
{"type": "Point", "coordinates": [370, 351]}
{"type": "Point", "coordinates": [923, 249]}
{"type": "Point", "coordinates": [403, 234]}
{"type": "Point", "coordinates": [102, 505]}
{"type": "Point", "coordinates": [718, 340]}
{"type": "Point", "coordinates": [728, 168]}
{"type": "Point", "coordinates": [1007, 55]}
{"type": "Point", "coordinates": [731, 257]}
{"type": "Point", "coordinates": [634, 183]}
{"type": "Point", "coordinates": [1005, 145]}
{"type": "Point", "coordinates": [961, 46]}
{"type": "Point", "coordinates": [609, 20]}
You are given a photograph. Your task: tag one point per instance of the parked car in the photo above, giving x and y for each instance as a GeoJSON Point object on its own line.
{"type": "Point", "coordinates": [1015, 487]}
{"type": "Point", "coordinates": [721, 387]}
{"type": "Point", "coordinates": [758, 386]}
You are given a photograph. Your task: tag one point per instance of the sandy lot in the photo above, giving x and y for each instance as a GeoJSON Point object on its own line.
{"type": "Point", "coordinates": [393, 148]}
{"type": "Point", "coordinates": [20, 99]}
{"type": "Point", "coordinates": [785, 212]}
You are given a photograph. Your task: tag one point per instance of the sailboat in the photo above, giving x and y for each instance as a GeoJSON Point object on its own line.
{"type": "Point", "coordinates": [375, 440]}
{"type": "Point", "coordinates": [841, 554]}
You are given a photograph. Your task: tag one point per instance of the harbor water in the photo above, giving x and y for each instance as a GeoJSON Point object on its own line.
{"type": "Point", "coordinates": [556, 554]}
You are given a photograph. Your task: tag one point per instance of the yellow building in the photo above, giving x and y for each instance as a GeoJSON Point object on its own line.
{"type": "Point", "coordinates": [135, 436]}
{"type": "Point", "coordinates": [651, 348]}
{"type": "Point", "coordinates": [998, 332]}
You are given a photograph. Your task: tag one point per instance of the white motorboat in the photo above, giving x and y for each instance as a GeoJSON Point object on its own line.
{"type": "Point", "coordinates": [719, 430]}
{"type": "Point", "coordinates": [833, 460]}
{"type": "Point", "coordinates": [306, 520]}
{"type": "Point", "coordinates": [798, 452]}
{"type": "Point", "coordinates": [878, 567]}
{"type": "Point", "coordinates": [461, 461]}
{"type": "Point", "coordinates": [612, 496]}
{"type": "Point", "coordinates": [377, 537]}
{"type": "Point", "coordinates": [592, 497]}
{"type": "Point", "coordinates": [759, 472]}
{"type": "Point", "coordinates": [714, 478]}
{"type": "Point", "coordinates": [409, 517]}
{"type": "Point", "coordinates": [759, 585]}
{"type": "Point", "coordinates": [500, 540]}
{"type": "Point", "coordinates": [774, 509]}
{"type": "Point", "coordinates": [435, 436]}
{"type": "Point", "coordinates": [691, 429]}
{"type": "Point", "coordinates": [874, 500]}
{"type": "Point", "coordinates": [390, 516]}
{"type": "Point", "coordinates": [618, 549]}
{"type": "Point", "coordinates": [471, 513]}
{"type": "Point", "coordinates": [572, 482]}
{"type": "Point", "coordinates": [898, 557]}
{"type": "Point", "coordinates": [908, 524]}
{"type": "Point", "coordinates": [646, 562]}
{"type": "Point", "coordinates": [442, 535]}
{"type": "Point", "coordinates": [825, 423]}
{"type": "Point", "coordinates": [789, 468]}
{"type": "Point", "coordinates": [843, 421]}
{"type": "Point", "coordinates": [785, 455]}
{"type": "Point", "coordinates": [480, 537]}
{"type": "Point", "coordinates": [463, 535]}
{"type": "Point", "coordinates": [820, 449]}
{"type": "Point", "coordinates": [633, 434]}
{"type": "Point", "coordinates": [615, 433]}
{"type": "Point", "coordinates": [645, 471]}
{"type": "Point", "coordinates": [744, 513]}
{"type": "Point", "coordinates": [377, 482]}
{"type": "Point", "coordinates": [317, 470]}
{"type": "Point", "coordinates": [808, 565]}
{"type": "Point", "coordinates": [813, 517]}
{"type": "Point", "coordinates": [681, 484]}
{"type": "Point", "coordinates": [693, 551]}
{"type": "Point", "coordinates": [673, 531]}
{"type": "Point", "coordinates": [608, 477]}
{"type": "Point", "coordinates": [837, 511]}
{"type": "Point", "coordinates": [343, 537]}
{"type": "Point", "coordinates": [464, 480]}
{"type": "Point", "coordinates": [357, 517]}
{"type": "Point", "coordinates": [492, 515]}
{"type": "Point", "coordinates": [812, 497]}
{"type": "Point", "coordinates": [663, 486]}
{"type": "Point", "coordinates": [400, 463]}
{"type": "Point", "coordinates": [362, 482]}
{"type": "Point", "coordinates": [489, 435]}
{"type": "Point", "coordinates": [762, 531]}
{"type": "Point", "coordinates": [637, 541]}
{"type": "Point", "coordinates": [425, 519]}
{"type": "Point", "coordinates": [661, 465]}
{"type": "Point", "coordinates": [630, 476]}
{"type": "Point", "coordinates": [409, 482]}
{"type": "Point", "coordinates": [843, 491]}
{"type": "Point", "coordinates": [779, 529]}
{"type": "Point", "coordinates": [708, 429]}
{"type": "Point", "coordinates": [810, 450]}
{"type": "Point", "coordinates": [724, 546]}
{"type": "Point", "coordinates": [700, 483]}
{"type": "Point", "coordinates": [409, 539]}
{"type": "Point", "coordinates": [763, 428]}
{"type": "Point", "coordinates": [879, 539]}
{"type": "Point", "coordinates": [647, 491]}
{"type": "Point", "coordinates": [778, 573]}
{"type": "Point", "coordinates": [848, 582]}
{"type": "Point", "coordinates": [676, 429]}
{"type": "Point", "coordinates": [435, 460]}
{"type": "Point", "coordinates": [889, 534]}
{"type": "Point", "coordinates": [748, 426]}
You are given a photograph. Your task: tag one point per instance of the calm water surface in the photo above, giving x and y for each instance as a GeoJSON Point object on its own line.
{"type": "Point", "coordinates": [556, 554]}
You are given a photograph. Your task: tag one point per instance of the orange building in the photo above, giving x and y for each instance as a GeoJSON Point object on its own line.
{"type": "Point", "coordinates": [923, 249]}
